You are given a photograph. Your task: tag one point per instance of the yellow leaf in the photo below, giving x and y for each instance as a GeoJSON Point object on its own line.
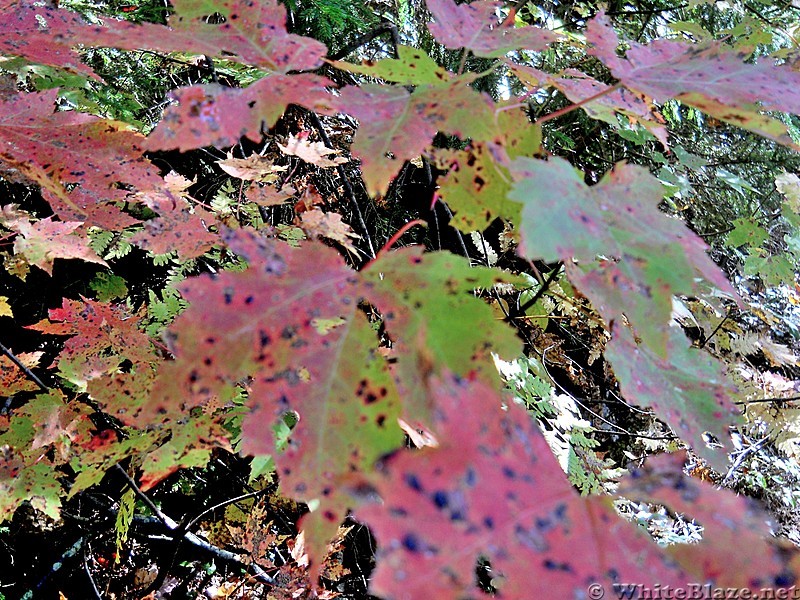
{"type": "Point", "coordinates": [5, 309]}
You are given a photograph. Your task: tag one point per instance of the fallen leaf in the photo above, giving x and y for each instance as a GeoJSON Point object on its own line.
{"type": "Point", "coordinates": [315, 153]}
{"type": "Point", "coordinates": [252, 168]}
{"type": "Point", "coordinates": [328, 225]}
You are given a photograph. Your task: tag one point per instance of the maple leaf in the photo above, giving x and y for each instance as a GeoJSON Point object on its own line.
{"type": "Point", "coordinates": [411, 67]}
{"type": "Point", "coordinates": [315, 153]}
{"type": "Point", "coordinates": [213, 115]}
{"type": "Point", "coordinates": [252, 168]}
{"type": "Point", "coordinates": [690, 392]}
{"type": "Point", "coordinates": [291, 323]}
{"type": "Point", "coordinates": [494, 490]}
{"type": "Point", "coordinates": [707, 76]}
{"type": "Point", "coordinates": [252, 32]}
{"type": "Point", "coordinates": [267, 195]}
{"type": "Point", "coordinates": [476, 187]}
{"type": "Point", "coordinates": [103, 336]}
{"type": "Point", "coordinates": [36, 483]}
{"type": "Point", "coordinates": [290, 327]}
{"type": "Point", "coordinates": [12, 378]}
{"type": "Point", "coordinates": [110, 358]}
{"type": "Point", "coordinates": [475, 27]}
{"type": "Point", "coordinates": [5, 307]}
{"type": "Point", "coordinates": [180, 227]}
{"type": "Point", "coordinates": [53, 149]}
{"type": "Point", "coordinates": [57, 423]}
{"type": "Point", "coordinates": [413, 120]}
{"type": "Point", "coordinates": [41, 34]}
{"type": "Point", "coordinates": [316, 223]}
{"type": "Point", "coordinates": [730, 522]}
{"type": "Point", "coordinates": [653, 256]}
{"type": "Point", "coordinates": [246, 31]}
{"type": "Point", "coordinates": [39, 436]}
{"type": "Point", "coordinates": [41, 242]}
{"type": "Point", "coordinates": [427, 303]}
{"type": "Point", "coordinates": [478, 180]}
{"type": "Point", "coordinates": [188, 445]}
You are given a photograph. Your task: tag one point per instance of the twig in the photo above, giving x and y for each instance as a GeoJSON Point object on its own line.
{"type": "Point", "coordinates": [68, 553]}
{"type": "Point", "coordinates": [645, 11]}
{"type": "Point", "coordinates": [89, 575]}
{"type": "Point", "coordinates": [426, 165]}
{"type": "Point", "coordinates": [637, 435]}
{"type": "Point", "coordinates": [775, 400]}
{"type": "Point", "coordinates": [367, 38]}
{"type": "Point", "coordinates": [541, 291]}
{"type": "Point", "coordinates": [194, 540]}
{"type": "Point", "coordinates": [740, 459]}
{"type": "Point", "coordinates": [345, 180]}
{"type": "Point", "coordinates": [223, 504]}
{"type": "Point", "coordinates": [457, 230]}
{"type": "Point", "coordinates": [716, 329]}
{"type": "Point", "coordinates": [30, 374]}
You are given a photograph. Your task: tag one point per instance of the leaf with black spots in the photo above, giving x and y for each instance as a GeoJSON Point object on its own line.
{"type": "Point", "coordinates": [103, 337]}
{"type": "Point", "coordinates": [493, 490]}
{"type": "Point", "coordinates": [290, 329]}
{"type": "Point", "coordinates": [396, 125]}
{"type": "Point", "coordinates": [429, 309]}
{"type": "Point", "coordinates": [731, 522]}
{"type": "Point", "coordinates": [214, 115]}
{"type": "Point", "coordinates": [56, 149]}
{"type": "Point", "coordinates": [179, 227]}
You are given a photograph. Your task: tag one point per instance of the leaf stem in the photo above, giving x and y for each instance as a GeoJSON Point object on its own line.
{"type": "Point", "coordinates": [463, 62]}
{"type": "Point", "coordinates": [400, 232]}
{"type": "Point", "coordinates": [571, 107]}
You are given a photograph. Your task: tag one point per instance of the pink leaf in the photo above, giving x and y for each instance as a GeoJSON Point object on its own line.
{"type": "Point", "coordinates": [213, 115]}
{"type": "Point", "coordinates": [476, 27]}
{"type": "Point", "coordinates": [493, 489]}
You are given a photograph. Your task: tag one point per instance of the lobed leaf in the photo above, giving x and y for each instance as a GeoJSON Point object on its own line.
{"type": "Point", "coordinates": [396, 125]}
{"type": "Point", "coordinates": [289, 328]}
{"type": "Point", "coordinates": [651, 256]}
{"type": "Point", "coordinates": [475, 27]}
{"type": "Point", "coordinates": [707, 76]}
{"type": "Point", "coordinates": [213, 115]}
{"type": "Point", "coordinates": [53, 149]}
{"type": "Point", "coordinates": [730, 523]}
{"type": "Point", "coordinates": [247, 31]}
{"type": "Point", "coordinates": [494, 490]}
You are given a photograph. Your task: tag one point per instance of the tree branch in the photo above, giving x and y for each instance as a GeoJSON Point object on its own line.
{"type": "Point", "coordinates": [191, 538]}
{"type": "Point", "coordinates": [28, 373]}
{"type": "Point", "coordinates": [367, 38]}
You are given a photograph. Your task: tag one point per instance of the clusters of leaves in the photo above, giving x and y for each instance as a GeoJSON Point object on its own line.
{"type": "Point", "coordinates": [286, 335]}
